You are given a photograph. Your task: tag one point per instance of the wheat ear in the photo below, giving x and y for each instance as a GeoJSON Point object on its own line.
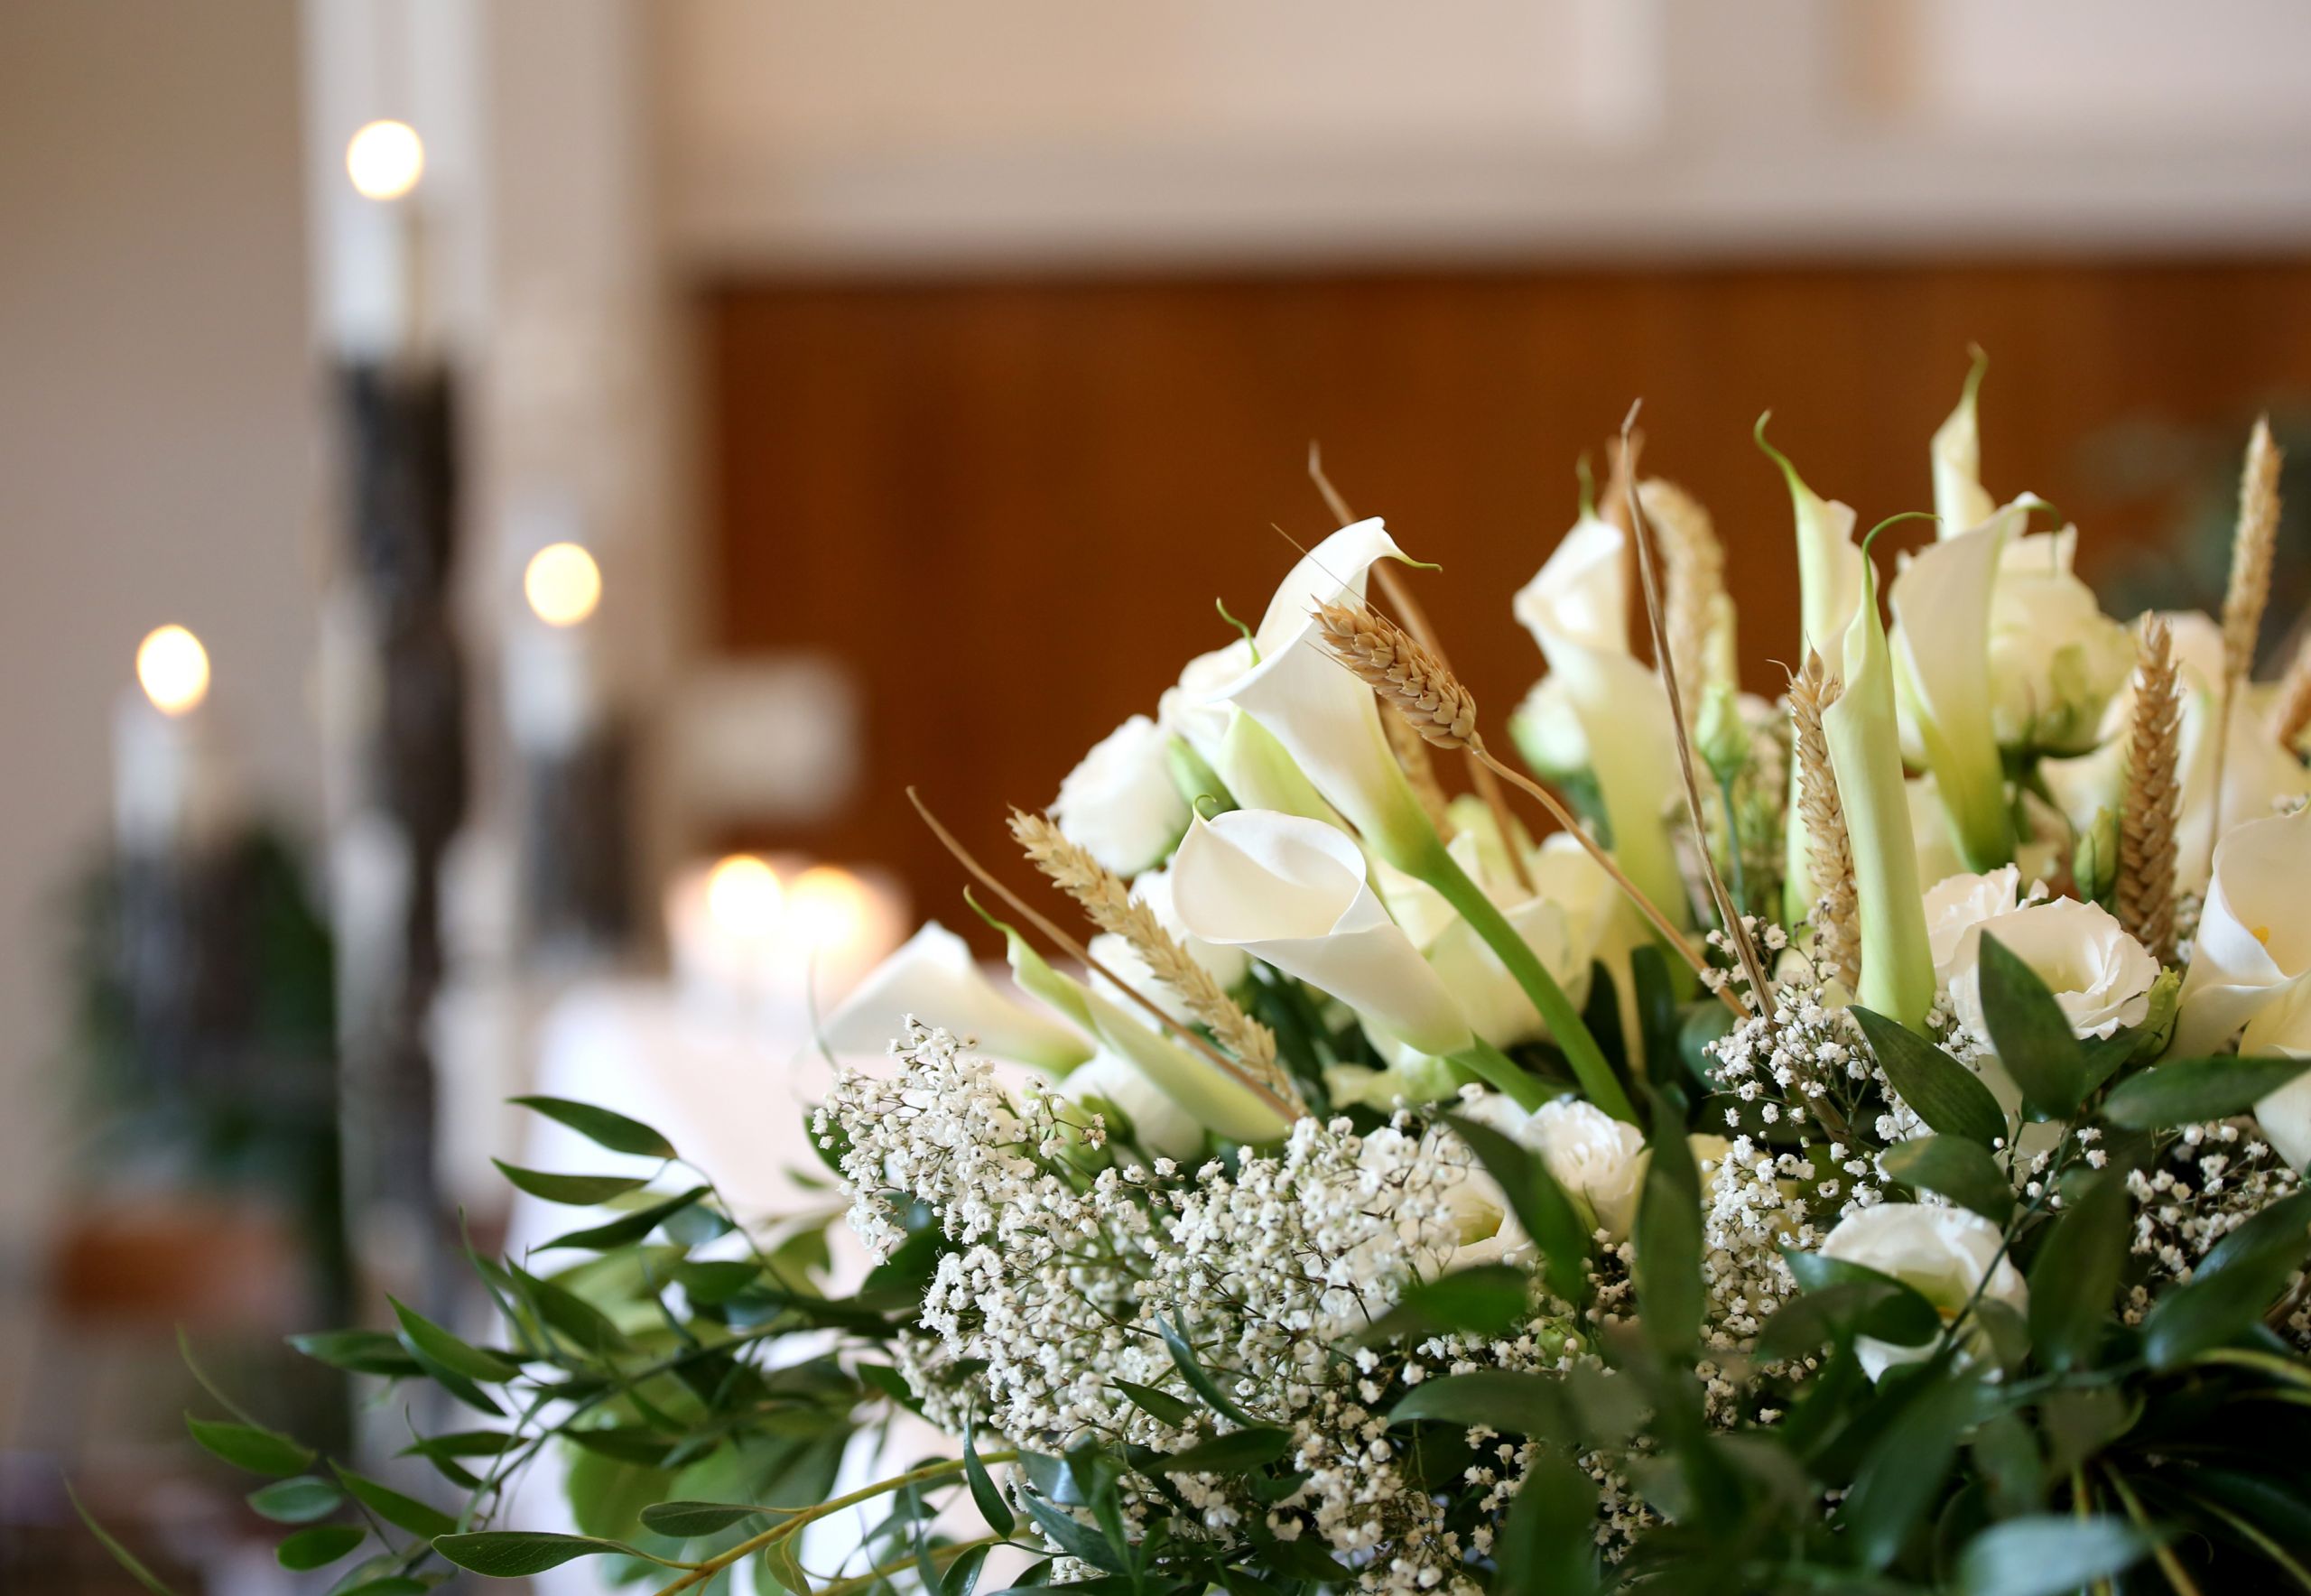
{"type": "Point", "coordinates": [2249, 590]}
{"type": "Point", "coordinates": [2146, 840]}
{"type": "Point", "coordinates": [1837, 942]}
{"type": "Point", "coordinates": [2292, 713]}
{"type": "Point", "coordinates": [1410, 679]}
{"type": "Point", "coordinates": [1693, 564]}
{"type": "Point", "coordinates": [1109, 904]}
{"type": "Point", "coordinates": [1419, 766]}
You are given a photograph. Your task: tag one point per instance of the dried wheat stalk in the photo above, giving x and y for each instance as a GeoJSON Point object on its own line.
{"type": "Point", "coordinates": [1109, 904]}
{"type": "Point", "coordinates": [1695, 565]}
{"type": "Point", "coordinates": [2292, 711]}
{"type": "Point", "coordinates": [1410, 679]}
{"type": "Point", "coordinates": [2146, 840]}
{"type": "Point", "coordinates": [1837, 938]}
{"type": "Point", "coordinates": [1411, 750]}
{"type": "Point", "coordinates": [2249, 590]}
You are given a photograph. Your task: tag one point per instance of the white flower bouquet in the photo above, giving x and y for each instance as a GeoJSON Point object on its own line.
{"type": "Point", "coordinates": [1858, 1150]}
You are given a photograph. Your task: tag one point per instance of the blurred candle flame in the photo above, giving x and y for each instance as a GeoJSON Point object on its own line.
{"type": "Point", "coordinates": [828, 908]}
{"type": "Point", "coordinates": [562, 584]}
{"type": "Point", "coordinates": [385, 160]}
{"type": "Point", "coordinates": [172, 668]}
{"type": "Point", "coordinates": [744, 896]}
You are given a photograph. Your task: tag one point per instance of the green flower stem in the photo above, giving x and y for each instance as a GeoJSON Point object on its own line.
{"type": "Point", "coordinates": [796, 1520]}
{"type": "Point", "coordinates": [1431, 864]}
{"type": "Point", "coordinates": [1496, 1069]}
{"type": "Point", "coordinates": [941, 1556]}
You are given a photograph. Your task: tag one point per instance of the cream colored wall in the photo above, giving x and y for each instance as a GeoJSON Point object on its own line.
{"type": "Point", "coordinates": [157, 457]}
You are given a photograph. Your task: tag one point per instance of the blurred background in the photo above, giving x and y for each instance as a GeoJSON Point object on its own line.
{"type": "Point", "coordinates": [430, 548]}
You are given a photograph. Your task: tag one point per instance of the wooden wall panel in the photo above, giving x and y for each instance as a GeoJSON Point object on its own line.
{"type": "Point", "coordinates": [1010, 504]}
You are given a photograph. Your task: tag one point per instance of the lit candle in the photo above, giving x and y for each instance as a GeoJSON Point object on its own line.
{"type": "Point", "coordinates": [381, 267]}
{"type": "Point", "coordinates": [554, 691]}
{"type": "Point", "coordinates": [171, 787]}
{"type": "Point", "coordinates": [745, 938]}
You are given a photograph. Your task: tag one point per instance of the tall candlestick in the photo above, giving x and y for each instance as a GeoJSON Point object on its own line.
{"type": "Point", "coordinates": [172, 788]}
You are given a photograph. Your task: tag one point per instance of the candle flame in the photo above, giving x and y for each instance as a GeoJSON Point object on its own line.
{"type": "Point", "coordinates": [174, 669]}
{"type": "Point", "coordinates": [744, 896]}
{"type": "Point", "coordinates": [385, 160]}
{"type": "Point", "coordinates": [829, 908]}
{"type": "Point", "coordinates": [562, 584]}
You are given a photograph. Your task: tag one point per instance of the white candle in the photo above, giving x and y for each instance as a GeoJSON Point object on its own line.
{"type": "Point", "coordinates": [171, 787]}
{"type": "Point", "coordinates": [379, 270]}
{"type": "Point", "coordinates": [772, 944]}
{"type": "Point", "coordinates": [552, 681]}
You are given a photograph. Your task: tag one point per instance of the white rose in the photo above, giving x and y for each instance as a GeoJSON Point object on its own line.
{"type": "Point", "coordinates": [2054, 657]}
{"type": "Point", "coordinates": [1943, 1254]}
{"type": "Point", "coordinates": [1160, 1125]}
{"type": "Point", "coordinates": [1120, 803]}
{"type": "Point", "coordinates": [1956, 903]}
{"type": "Point", "coordinates": [1597, 1159]}
{"type": "Point", "coordinates": [2252, 952]}
{"type": "Point", "coordinates": [2100, 975]}
{"type": "Point", "coordinates": [1189, 712]}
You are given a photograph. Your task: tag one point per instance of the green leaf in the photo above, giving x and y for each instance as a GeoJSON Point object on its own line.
{"type": "Point", "coordinates": [1233, 1453]}
{"type": "Point", "coordinates": [2031, 1032]}
{"type": "Point", "coordinates": [1301, 1559]}
{"type": "Point", "coordinates": [984, 1495]}
{"type": "Point", "coordinates": [615, 1132]}
{"type": "Point", "coordinates": [1482, 1301]}
{"type": "Point", "coordinates": [391, 1585]}
{"type": "Point", "coordinates": [717, 1280]}
{"type": "Point", "coordinates": [1902, 1474]}
{"type": "Point", "coordinates": [300, 1501]}
{"type": "Point", "coordinates": [319, 1546]}
{"type": "Point", "coordinates": [1540, 1204]}
{"type": "Point", "coordinates": [358, 1351]}
{"type": "Point", "coordinates": [1958, 1168]}
{"type": "Point", "coordinates": [401, 1512]}
{"type": "Point", "coordinates": [428, 1342]}
{"type": "Point", "coordinates": [628, 1229]}
{"type": "Point", "coordinates": [2187, 1092]}
{"type": "Point", "coordinates": [119, 1553]}
{"type": "Point", "coordinates": [561, 1309]}
{"type": "Point", "coordinates": [577, 1191]}
{"type": "Point", "coordinates": [511, 1554]}
{"type": "Point", "coordinates": [1063, 1530]}
{"type": "Point", "coordinates": [1183, 1358]}
{"type": "Point", "coordinates": [1667, 1233]}
{"type": "Point", "coordinates": [687, 1520]}
{"type": "Point", "coordinates": [1882, 1308]}
{"type": "Point", "coordinates": [1939, 1090]}
{"type": "Point", "coordinates": [1533, 1405]}
{"type": "Point", "coordinates": [2042, 1554]}
{"type": "Point", "coordinates": [2075, 1280]}
{"type": "Point", "coordinates": [248, 1446]}
{"type": "Point", "coordinates": [1548, 1546]}
{"type": "Point", "coordinates": [961, 1577]}
{"type": "Point", "coordinates": [2232, 1286]}
{"type": "Point", "coordinates": [1156, 1404]}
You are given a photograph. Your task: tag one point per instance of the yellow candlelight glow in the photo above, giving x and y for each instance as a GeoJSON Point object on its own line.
{"type": "Point", "coordinates": [829, 908]}
{"type": "Point", "coordinates": [744, 896]}
{"type": "Point", "coordinates": [385, 160]}
{"type": "Point", "coordinates": [174, 669]}
{"type": "Point", "coordinates": [562, 584]}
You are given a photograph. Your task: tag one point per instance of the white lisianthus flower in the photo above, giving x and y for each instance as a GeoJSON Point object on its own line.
{"type": "Point", "coordinates": [2252, 953]}
{"type": "Point", "coordinates": [1120, 803]}
{"type": "Point", "coordinates": [2100, 975]}
{"type": "Point", "coordinates": [933, 978]}
{"type": "Point", "coordinates": [1956, 903]}
{"type": "Point", "coordinates": [1188, 710]}
{"type": "Point", "coordinates": [2054, 658]}
{"type": "Point", "coordinates": [1943, 1254]}
{"type": "Point", "coordinates": [1162, 1127]}
{"type": "Point", "coordinates": [1599, 1160]}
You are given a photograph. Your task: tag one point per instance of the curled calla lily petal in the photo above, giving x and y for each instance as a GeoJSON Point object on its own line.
{"type": "Point", "coordinates": [933, 976]}
{"type": "Point", "coordinates": [2285, 1029]}
{"type": "Point", "coordinates": [1941, 602]}
{"type": "Point", "coordinates": [1960, 503]}
{"type": "Point", "coordinates": [1324, 719]}
{"type": "Point", "coordinates": [2254, 948]}
{"type": "Point", "coordinates": [1293, 892]}
{"type": "Point", "coordinates": [1577, 610]}
{"type": "Point", "coordinates": [1866, 757]}
{"type": "Point", "coordinates": [1214, 1098]}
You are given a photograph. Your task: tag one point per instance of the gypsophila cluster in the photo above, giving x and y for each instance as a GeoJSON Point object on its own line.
{"type": "Point", "coordinates": [2205, 1182]}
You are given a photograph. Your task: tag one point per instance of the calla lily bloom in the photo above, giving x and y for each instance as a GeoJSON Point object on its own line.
{"type": "Point", "coordinates": [1960, 503]}
{"type": "Point", "coordinates": [1941, 602]}
{"type": "Point", "coordinates": [1866, 755]}
{"type": "Point", "coordinates": [933, 976]}
{"type": "Point", "coordinates": [2252, 952]}
{"type": "Point", "coordinates": [1577, 610]}
{"type": "Point", "coordinates": [1293, 892]}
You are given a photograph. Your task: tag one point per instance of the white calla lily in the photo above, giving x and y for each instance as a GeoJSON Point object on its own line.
{"type": "Point", "coordinates": [1960, 503]}
{"type": "Point", "coordinates": [1293, 892]}
{"type": "Point", "coordinates": [1941, 600]}
{"type": "Point", "coordinates": [933, 976]}
{"type": "Point", "coordinates": [1576, 607]}
{"type": "Point", "coordinates": [2284, 1029]}
{"type": "Point", "coordinates": [1159, 1124]}
{"type": "Point", "coordinates": [2252, 952]}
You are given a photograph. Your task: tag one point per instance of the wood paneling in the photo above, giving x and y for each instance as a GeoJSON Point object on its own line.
{"type": "Point", "coordinates": [1010, 504]}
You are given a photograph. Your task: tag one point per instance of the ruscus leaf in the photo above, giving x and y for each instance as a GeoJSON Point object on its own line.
{"type": "Point", "coordinates": [615, 1132]}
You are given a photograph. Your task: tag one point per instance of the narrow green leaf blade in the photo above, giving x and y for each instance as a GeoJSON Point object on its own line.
{"type": "Point", "coordinates": [1540, 1204]}
{"type": "Point", "coordinates": [319, 1546]}
{"type": "Point", "coordinates": [403, 1512]}
{"type": "Point", "coordinates": [1949, 1097]}
{"type": "Point", "coordinates": [300, 1500]}
{"type": "Point", "coordinates": [577, 1191]}
{"type": "Point", "coordinates": [248, 1446]}
{"type": "Point", "coordinates": [2075, 1280]}
{"type": "Point", "coordinates": [427, 1339]}
{"type": "Point", "coordinates": [627, 1229]}
{"type": "Point", "coordinates": [358, 1351]}
{"type": "Point", "coordinates": [1231, 1453]}
{"type": "Point", "coordinates": [1958, 1169]}
{"type": "Point", "coordinates": [1533, 1405]}
{"type": "Point", "coordinates": [512, 1554]}
{"type": "Point", "coordinates": [1156, 1404]}
{"type": "Point", "coordinates": [2188, 1091]}
{"type": "Point", "coordinates": [128, 1563]}
{"type": "Point", "coordinates": [1667, 1233]}
{"type": "Point", "coordinates": [984, 1495]}
{"type": "Point", "coordinates": [687, 1520]}
{"type": "Point", "coordinates": [1183, 1358]}
{"type": "Point", "coordinates": [2031, 1032]}
{"type": "Point", "coordinates": [2233, 1284]}
{"type": "Point", "coordinates": [615, 1132]}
